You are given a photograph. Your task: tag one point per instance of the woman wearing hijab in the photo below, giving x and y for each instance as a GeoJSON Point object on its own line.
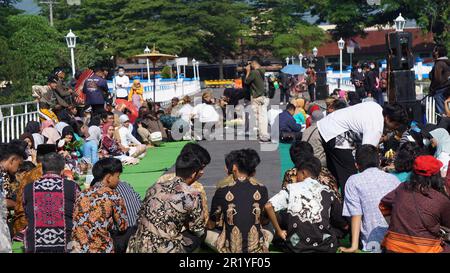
{"type": "Point", "coordinates": [34, 128]}
{"type": "Point", "coordinates": [90, 147]}
{"type": "Point", "coordinates": [49, 131]}
{"type": "Point", "coordinates": [31, 151]}
{"type": "Point", "coordinates": [112, 148]}
{"type": "Point", "coordinates": [300, 115]}
{"type": "Point", "coordinates": [441, 141]}
{"type": "Point", "coordinates": [69, 143]}
{"type": "Point", "coordinates": [136, 94]}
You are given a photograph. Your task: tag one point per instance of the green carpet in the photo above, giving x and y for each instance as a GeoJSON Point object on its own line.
{"type": "Point", "coordinates": [145, 174]}
{"type": "Point", "coordinates": [285, 159]}
{"type": "Point", "coordinates": [155, 163]}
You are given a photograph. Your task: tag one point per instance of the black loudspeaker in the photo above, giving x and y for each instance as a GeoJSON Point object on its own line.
{"type": "Point", "coordinates": [320, 64]}
{"type": "Point", "coordinates": [399, 47]}
{"type": "Point", "coordinates": [401, 86]}
{"type": "Point", "coordinates": [321, 92]}
{"type": "Point", "coordinates": [415, 110]}
{"type": "Point", "coordinates": [321, 78]}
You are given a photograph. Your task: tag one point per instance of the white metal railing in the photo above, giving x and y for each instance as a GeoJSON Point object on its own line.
{"type": "Point", "coordinates": [14, 118]}
{"type": "Point", "coordinates": [346, 85]}
{"type": "Point", "coordinates": [166, 89]}
{"type": "Point", "coordinates": [430, 110]}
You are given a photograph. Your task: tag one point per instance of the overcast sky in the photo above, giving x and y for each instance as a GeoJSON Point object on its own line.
{"type": "Point", "coordinates": [29, 6]}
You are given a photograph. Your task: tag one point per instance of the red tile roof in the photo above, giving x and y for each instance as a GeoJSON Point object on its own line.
{"type": "Point", "coordinates": [374, 43]}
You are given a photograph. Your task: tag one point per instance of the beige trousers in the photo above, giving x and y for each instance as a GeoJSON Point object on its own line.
{"type": "Point", "coordinates": [259, 106]}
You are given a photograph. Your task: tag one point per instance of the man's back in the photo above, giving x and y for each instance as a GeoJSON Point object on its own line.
{"type": "Point", "coordinates": [287, 123]}
{"type": "Point", "coordinates": [98, 210]}
{"type": "Point", "coordinates": [363, 193]}
{"type": "Point", "coordinates": [313, 212]}
{"type": "Point", "coordinates": [49, 204]}
{"type": "Point", "coordinates": [95, 88]}
{"type": "Point", "coordinates": [169, 207]}
{"type": "Point", "coordinates": [256, 82]}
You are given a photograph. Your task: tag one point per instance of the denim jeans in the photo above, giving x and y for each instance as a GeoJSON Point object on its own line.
{"type": "Point", "coordinates": [90, 150]}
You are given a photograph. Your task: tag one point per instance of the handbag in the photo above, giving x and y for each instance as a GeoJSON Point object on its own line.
{"type": "Point", "coordinates": [444, 232]}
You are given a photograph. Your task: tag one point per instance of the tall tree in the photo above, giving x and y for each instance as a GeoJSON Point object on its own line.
{"type": "Point", "coordinates": [220, 27]}
{"type": "Point", "coordinates": [33, 50]}
{"type": "Point", "coordinates": [352, 16]}
{"type": "Point", "coordinates": [279, 26]}
{"type": "Point", "coordinates": [204, 29]}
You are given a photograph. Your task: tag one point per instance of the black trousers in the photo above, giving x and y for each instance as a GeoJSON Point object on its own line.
{"type": "Point", "coordinates": [97, 109]}
{"type": "Point", "coordinates": [284, 95]}
{"type": "Point", "coordinates": [311, 92]}
{"type": "Point", "coordinates": [340, 162]}
{"type": "Point", "coordinates": [191, 241]}
{"type": "Point", "coordinates": [121, 239]}
{"type": "Point", "coordinates": [361, 92]}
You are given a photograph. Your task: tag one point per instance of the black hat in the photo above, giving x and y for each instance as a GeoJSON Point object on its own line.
{"type": "Point", "coordinates": [43, 149]}
{"type": "Point", "coordinates": [52, 78]}
{"type": "Point", "coordinates": [57, 70]}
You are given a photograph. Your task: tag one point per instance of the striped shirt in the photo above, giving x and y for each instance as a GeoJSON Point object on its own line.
{"type": "Point", "coordinates": [132, 201]}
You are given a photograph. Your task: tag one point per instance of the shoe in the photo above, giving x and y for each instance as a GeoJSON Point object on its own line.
{"type": "Point", "coordinates": [264, 140]}
{"type": "Point", "coordinates": [281, 103]}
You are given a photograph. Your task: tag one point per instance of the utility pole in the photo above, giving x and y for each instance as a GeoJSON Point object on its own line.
{"type": "Point", "coordinates": [50, 7]}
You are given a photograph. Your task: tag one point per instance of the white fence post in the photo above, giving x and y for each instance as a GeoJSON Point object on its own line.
{"type": "Point", "coordinates": [13, 124]}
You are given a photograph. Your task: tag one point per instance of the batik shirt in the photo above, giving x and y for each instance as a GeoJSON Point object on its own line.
{"type": "Point", "coordinates": [197, 186]}
{"type": "Point", "coordinates": [98, 211]}
{"type": "Point", "coordinates": [325, 178]}
{"type": "Point", "coordinates": [20, 219]}
{"type": "Point", "coordinates": [238, 209]}
{"type": "Point", "coordinates": [48, 204]}
{"type": "Point", "coordinates": [313, 215]}
{"type": "Point", "coordinates": [8, 187]}
{"type": "Point", "coordinates": [169, 208]}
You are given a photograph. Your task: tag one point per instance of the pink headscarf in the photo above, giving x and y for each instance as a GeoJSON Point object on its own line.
{"type": "Point", "coordinates": [342, 94]}
{"type": "Point", "coordinates": [105, 128]}
{"type": "Point", "coordinates": [52, 134]}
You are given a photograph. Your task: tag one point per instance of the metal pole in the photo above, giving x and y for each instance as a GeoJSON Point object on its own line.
{"type": "Point", "coordinates": [72, 55]}
{"type": "Point", "coordinates": [195, 70]}
{"type": "Point", "coordinates": [198, 71]}
{"type": "Point", "coordinates": [154, 81]}
{"type": "Point", "coordinates": [51, 12]}
{"type": "Point", "coordinates": [148, 72]}
{"type": "Point", "coordinates": [340, 68]}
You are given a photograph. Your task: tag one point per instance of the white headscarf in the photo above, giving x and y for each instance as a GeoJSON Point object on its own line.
{"type": "Point", "coordinates": [95, 134]}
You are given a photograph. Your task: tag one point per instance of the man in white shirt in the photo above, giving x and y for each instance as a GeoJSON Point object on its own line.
{"type": "Point", "coordinates": [363, 123]}
{"type": "Point", "coordinates": [127, 139]}
{"type": "Point", "coordinates": [121, 84]}
{"type": "Point", "coordinates": [206, 115]}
